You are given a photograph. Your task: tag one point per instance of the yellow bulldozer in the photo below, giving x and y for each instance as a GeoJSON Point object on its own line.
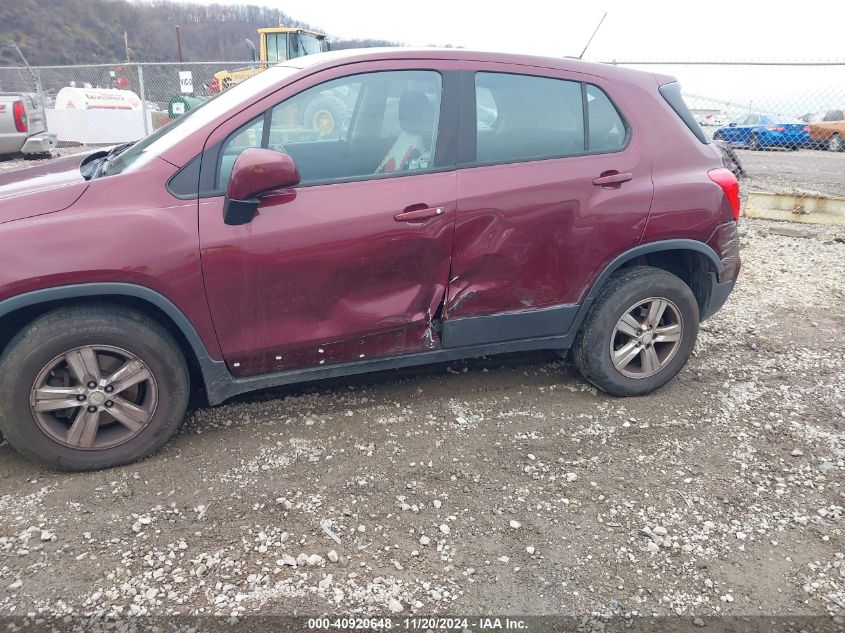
{"type": "Point", "coordinates": [276, 44]}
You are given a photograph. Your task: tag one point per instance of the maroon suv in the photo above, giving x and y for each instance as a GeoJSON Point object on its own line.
{"type": "Point", "coordinates": [353, 212]}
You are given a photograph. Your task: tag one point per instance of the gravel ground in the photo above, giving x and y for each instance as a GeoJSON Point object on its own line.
{"type": "Point", "coordinates": [502, 484]}
{"type": "Point", "coordinates": [814, 172]}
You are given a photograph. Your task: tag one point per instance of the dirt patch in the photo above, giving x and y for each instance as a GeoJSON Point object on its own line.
{"type": "Point", "coordinates": [502, 484]}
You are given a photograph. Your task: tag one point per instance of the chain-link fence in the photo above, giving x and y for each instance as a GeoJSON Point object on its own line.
{"type": "Point", "coordinates": [762, 105]}
{"type": "Point", "coordinates": [114, 103]}
{"type": "Point", "coordinates": [751, 105]}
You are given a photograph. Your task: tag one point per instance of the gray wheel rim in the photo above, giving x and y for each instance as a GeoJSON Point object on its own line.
{"type": "Point", "coordinates": [646, 337]}
{"type": "Point", "coordinates": [94, 397]}
{"type": "Point", "coordinates": [835, 143]}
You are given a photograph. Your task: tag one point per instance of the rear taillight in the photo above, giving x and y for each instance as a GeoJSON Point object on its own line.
{"type": "Point", "coordinates": [775, 128]}
{"type": "Point", "coordinates": [730, 185]}
{"type": "Point", "coordinates": [805, 129]}
{"type": "Point", "coordinates": [19, 113]}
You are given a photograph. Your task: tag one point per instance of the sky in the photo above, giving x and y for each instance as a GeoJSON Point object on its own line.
{"type": "Point", "coordinates": [645, 30]}
{"type": "Point", "coordinates": [704, 30]}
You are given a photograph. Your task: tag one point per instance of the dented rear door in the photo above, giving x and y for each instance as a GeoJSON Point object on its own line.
{"type": "Point", "coordinates": [532, 233]}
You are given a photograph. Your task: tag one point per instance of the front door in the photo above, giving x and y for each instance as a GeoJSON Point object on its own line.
{"type": "Point", "coordinates": [353, 263]}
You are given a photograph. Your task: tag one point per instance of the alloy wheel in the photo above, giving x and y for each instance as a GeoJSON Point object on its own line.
{"type": "Point", "coordinates": [94, 397]}
{"type": "Point", "coordinates": [646, 337]}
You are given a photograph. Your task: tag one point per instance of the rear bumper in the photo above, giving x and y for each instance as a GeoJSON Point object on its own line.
{"type": "Point", "coordinates": [719, 293]}
{"type": "Point", "coordinates": [39, 143]}
{"type": "Point", "coordinates": [725, 242]}
{"type": "Point", "coordinates": [11, 143]}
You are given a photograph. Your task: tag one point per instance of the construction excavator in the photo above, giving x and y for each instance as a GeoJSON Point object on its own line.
{"type": "Point", "coordinates": [276, 44]}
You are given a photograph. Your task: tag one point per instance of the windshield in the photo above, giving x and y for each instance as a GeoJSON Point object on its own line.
{"type": "Point", "coordinates": [167, 137]}
{"type": "Point", "coordinates": [306, 45]}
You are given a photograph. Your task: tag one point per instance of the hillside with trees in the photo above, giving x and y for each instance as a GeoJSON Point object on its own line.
{"type": "Point", "coordinates": [52, 32]}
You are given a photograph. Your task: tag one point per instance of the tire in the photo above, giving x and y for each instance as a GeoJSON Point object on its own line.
{"type": "Point", "coordinates": [835, 143]}
{"type": "Point", "coordinates": [117, 338]}
{"type": "Point", "coordinates": [754, 143]}
{"type": "Point", "coordinates": [324, 115]}
{"type": "Point", "coordinates": [718, 136]}
{"type": "Point", "coordinates": [598, 335]}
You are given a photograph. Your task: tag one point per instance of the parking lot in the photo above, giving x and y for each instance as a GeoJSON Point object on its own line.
{"type": "Point", "coordinates": [504, 484]}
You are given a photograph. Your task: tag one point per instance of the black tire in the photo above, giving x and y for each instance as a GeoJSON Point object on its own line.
{"type": "Point", "coordinates": [323, 110]}
{"type": "Point", "coordinates": [718, 136]}
{"type": "Point", "coordinates": [66, 329]}
{"type": "Point", "coordinates": [754, 143]}
{"type": "Point", "coordinates": [835, 143]}
{"type": "Point", "coordinates": [592, 348]}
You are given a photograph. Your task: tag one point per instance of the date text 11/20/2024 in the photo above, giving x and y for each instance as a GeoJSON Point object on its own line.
{"type": "Point", "coordinates": [418, 624]}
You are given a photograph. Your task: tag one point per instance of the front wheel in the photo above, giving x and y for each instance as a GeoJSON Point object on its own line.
{"type": "Point", "coordinates": [835, 143]}
{"type": "Point", "coordinates": [754, 143]}
{"type": "Point", "coordinates": [91, 387]}
{"type": "Point", "coordinates": [639, 333]}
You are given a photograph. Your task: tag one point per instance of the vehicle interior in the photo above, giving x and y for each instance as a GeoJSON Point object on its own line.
{"type": "Point", "coordinates": [510, 126]}
{"type": "Point", "coordinates": [374, 116]}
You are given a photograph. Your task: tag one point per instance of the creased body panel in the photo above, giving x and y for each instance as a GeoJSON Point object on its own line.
{"type": "Point", "coordinates": [325, 274]}
{"type": "Point", "coordinates": [528, 235]}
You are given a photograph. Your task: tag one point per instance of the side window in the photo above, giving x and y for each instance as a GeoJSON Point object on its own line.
{"type": "Point", "coordinates": [523, 117]}
{"type": "Point", "coordinates": [834, 115]}
{"type": "Point", "coordinates": [323, 112]}
{"type": "Point", "coordinates": [352, 127]}
{"type": "Point", "coordinates": [249, 135]}
{"type": "Point", "coordinates": [606, 128]}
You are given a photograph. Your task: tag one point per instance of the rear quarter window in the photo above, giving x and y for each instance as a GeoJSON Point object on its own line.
{"type": "Point", "coordinates": [607, 131]}
{"type": "Point", "coordinates": [672, 93]}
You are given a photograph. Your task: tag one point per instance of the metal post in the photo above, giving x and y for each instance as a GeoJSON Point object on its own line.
{"type": "Point", "coordinates": [143, 99]}
{"type": "Point", "coordinates": [179, 43]}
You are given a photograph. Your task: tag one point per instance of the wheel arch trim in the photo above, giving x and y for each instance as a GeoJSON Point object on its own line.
{"type": "Point", "coordinates": [638, 251]}
{"type": "Point", "coordinates": [104, 289]}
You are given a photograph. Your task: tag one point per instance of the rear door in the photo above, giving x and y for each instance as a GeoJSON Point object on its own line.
{"type": "Point", "coordinates": [552, 179]}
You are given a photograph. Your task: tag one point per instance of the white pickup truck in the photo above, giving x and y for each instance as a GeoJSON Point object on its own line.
{"type": "Point", "coordinates": [22, 125]}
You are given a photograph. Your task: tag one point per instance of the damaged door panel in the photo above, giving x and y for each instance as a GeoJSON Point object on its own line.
{"type": "Point", "coordinates": [527, 235]}
{"type": "Point", "coordinates": [530, 232]}
{"type": "Point", "coordinates": [329, 275]}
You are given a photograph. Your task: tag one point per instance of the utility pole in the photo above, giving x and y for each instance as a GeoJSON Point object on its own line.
{"type": "Point", "coordinates": [179, 43]}
{"type": "Point", "coordinates": [126, 46]}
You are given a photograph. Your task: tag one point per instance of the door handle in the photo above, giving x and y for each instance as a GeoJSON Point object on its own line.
{"type": "Point", "coordinates": [612, 179]}
{"type": "Point", "coordinates": [413, 215]}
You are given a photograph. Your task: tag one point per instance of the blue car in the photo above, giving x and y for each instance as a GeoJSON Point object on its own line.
{"type": "Point", "coordinates": [758, 131]}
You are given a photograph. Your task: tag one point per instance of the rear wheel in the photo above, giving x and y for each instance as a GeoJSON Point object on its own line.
{"type": "Point", "coordinates": [754, 143]}
{"type": "Point", "coordinates": [639, 333]}
{"type": "Point", "coordinates": [835, 143]}
{"type": "Point", "coordinates": [91, 387]}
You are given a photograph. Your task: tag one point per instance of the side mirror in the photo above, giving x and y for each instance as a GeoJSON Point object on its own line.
{"type": "Point", "coordinates": [256, 171]}
{"type": "Point", "coordinates": [732, 124]}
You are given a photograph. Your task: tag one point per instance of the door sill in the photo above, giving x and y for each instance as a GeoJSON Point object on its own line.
{"type": "Point", "coordinates": [220, 385]}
